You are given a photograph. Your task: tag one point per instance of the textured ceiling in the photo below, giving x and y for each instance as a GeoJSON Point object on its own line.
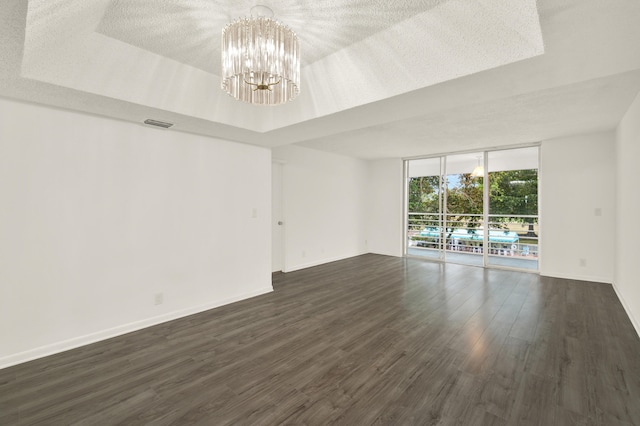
{"type": "Point", "coordinates": [379, 79]}
{"type": "Point", "coordinates": [595, 105]}
{"type": "Point", "coordinates": [63, 48]}
{"type": "Point", "coordinates": [189, 31]}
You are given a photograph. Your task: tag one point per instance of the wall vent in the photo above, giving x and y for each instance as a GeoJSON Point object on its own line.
{"type": "Point", "coordinates": [158, 123]}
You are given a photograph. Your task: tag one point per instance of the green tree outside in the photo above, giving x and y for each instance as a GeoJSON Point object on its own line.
{"type": "Point", "coordinates": [513, 192]}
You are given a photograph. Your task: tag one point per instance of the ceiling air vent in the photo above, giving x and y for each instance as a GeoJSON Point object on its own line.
{"type": "Point", "coordinates": [157, 123]}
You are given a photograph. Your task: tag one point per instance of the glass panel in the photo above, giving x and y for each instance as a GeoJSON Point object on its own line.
{"type": "Point", "coordinates": [424, 199]}
{"type": "Point", "coordinates": [464, 201]}
{"type": "Point", "coordinates": [445, 208]}
{"type": "Point", "coordinates": [513, 208]}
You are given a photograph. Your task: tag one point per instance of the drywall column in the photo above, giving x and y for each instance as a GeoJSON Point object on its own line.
{"type": "Point", "coordinates": [627, 269]}
{"type": "Point", "coordinates": [385, 207]}
{"type": "Point", "coordinates": [577, 207]}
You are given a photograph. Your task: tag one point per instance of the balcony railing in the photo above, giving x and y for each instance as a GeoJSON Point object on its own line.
{"type": "Point", "coordinates": [508, 235]}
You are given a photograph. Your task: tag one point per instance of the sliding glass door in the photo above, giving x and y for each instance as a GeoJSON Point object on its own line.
{"type": "Point", "coordinates": [513, 208]}
{"type": "Point", "coordinates": [453, 216]}
{"type": "Point", "coordinates": [464, 206]}
{"type": "Point", "coordinates": [425, 220]}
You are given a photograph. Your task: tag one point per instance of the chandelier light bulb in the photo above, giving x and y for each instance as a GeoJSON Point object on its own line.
{"type": "Point", "coordinates": [478, 171]}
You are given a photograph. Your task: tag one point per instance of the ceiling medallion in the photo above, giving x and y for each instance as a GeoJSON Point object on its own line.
{"type": "Point", "coordinates": [260, 59]}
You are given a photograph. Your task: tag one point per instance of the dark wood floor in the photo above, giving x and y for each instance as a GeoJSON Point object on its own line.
{"type": "Point", "coordinates": [368, 340]}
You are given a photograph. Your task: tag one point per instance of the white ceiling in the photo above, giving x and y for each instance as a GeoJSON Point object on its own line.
{"type": "Point", "coordinates": [380, 78]}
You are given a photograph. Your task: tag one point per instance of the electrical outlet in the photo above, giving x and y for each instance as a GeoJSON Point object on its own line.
{"type": "Point", "coordinates": [304, 253]}
{"type": "Point", "coordinates": [158, 299]}
{"type": "Point", "coordinates": [254, 213]}
{"type": "Point", "coordinates": [583, 262]}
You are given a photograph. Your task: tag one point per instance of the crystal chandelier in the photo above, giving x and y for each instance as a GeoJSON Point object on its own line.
{"type": "Point", "coordinates": [260, 59]}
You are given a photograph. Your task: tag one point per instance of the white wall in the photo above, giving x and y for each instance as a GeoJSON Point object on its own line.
{"type": "Point", "coordinates": [98, 216]}
{"type": "Point", "coordinates": [627, 270]}
{"type": "Point", "coordinates": [577, 181]}
{"type": "Point", "coordinates": [385, 207]}
{"type": "Point", "coordinates": [577, 176]}
{"type": "Point", "coordinates": [324, 204]}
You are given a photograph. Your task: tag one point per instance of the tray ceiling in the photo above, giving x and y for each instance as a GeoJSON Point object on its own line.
{"type": "Point", "coordinates": [379, 78]}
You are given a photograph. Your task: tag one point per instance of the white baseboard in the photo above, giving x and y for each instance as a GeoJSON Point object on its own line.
{"type": "Point", "coordinates": [627, 309]}
{"type": "Point", "coordinates": [590, 278]}
{"type": "Point", "coordinates": [76, 342]}
{"type": "Point", "coordinates": [319, 262]}
{"type": "Point", "coordinates": [385, 253]}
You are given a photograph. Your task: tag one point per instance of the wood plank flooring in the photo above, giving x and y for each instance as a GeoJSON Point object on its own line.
{"type": "Point", "coordinates": [367, 340]}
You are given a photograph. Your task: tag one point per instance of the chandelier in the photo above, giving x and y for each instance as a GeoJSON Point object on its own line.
{"type": "Point", "coordinates": [479, 170]}
{"type": "Point", "coordinates": [260, 59]}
